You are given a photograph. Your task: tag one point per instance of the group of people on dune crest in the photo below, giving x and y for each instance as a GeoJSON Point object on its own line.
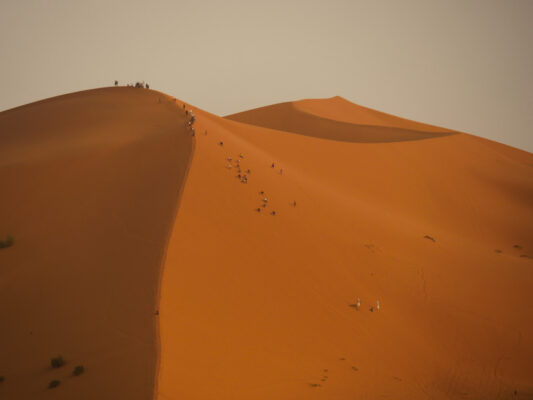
{"type": "Point", "coordinates": [141, 85]}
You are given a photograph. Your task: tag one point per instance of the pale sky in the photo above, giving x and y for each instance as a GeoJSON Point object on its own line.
{"type": "Point", "coordinates": [461, 64]}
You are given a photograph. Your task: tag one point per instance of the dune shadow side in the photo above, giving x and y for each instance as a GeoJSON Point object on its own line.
{"type": "Point", "coordinates": [286, 117]}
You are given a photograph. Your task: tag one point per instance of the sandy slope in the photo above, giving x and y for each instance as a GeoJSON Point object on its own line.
{"type": "Point", "coordinates": [256, 306]}
{"type": "Point", "coordinates": [89, 187]}
{"type": "Point", "coordinates": [338, 119]}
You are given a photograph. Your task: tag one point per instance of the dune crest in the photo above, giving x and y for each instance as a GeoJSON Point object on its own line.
{"type": "Point", "coordinates": [339, 109]}
{"type": "Point", "coordinates": [338, 119]}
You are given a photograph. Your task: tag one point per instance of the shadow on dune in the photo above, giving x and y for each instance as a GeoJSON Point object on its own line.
{"type": "Point", "coordinates": [286, 117]}
{"type": "Point", "coordinates": [91, 183]}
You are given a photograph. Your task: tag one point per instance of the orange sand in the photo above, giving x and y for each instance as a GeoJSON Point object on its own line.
{"type": "Point", "coordinates": [254, 305]}
{"type": "Point", "coordinates": [90, 184]}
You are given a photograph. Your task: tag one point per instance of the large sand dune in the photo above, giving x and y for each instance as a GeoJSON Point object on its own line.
{"type": "Point", "coordinates": [255, 305]}
{"type": "Point", "coordinates": [338, 119]}
{"type": "Point", "coordinates": [90, 184]}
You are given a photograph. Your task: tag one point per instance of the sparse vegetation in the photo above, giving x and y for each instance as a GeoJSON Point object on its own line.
{"type": "Point", "coordinates": [80, 369]}
{"type": "Point", "coordinates": [7, 243]}
{"type": "Point", "coordinates": [57, 362]}
{"type": "Point", "coordinates": [53, 384]}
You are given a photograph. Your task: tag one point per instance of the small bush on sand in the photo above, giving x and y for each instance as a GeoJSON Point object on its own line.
{"type": "Point", "coordinates": [53, 384]}
{"type": "Point", "coordinates": [8, 242]}
{"type": "Point", "coordinates": [78, 370]}
{"type": "Point", "coordinates": [57, 362]}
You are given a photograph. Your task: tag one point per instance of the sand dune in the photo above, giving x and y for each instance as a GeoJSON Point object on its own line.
{"type": "Point", "coordinates": [266, 311]}
{"type": "Point", "coordinates": [90, 183]}
{"type": "Point", "coordinates": [338, 119]}
{"type": "Point", "coordinates": [261, 306]}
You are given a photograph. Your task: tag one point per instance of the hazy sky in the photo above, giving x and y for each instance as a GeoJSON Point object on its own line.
{"type": "Point", "coordinates": [461, 64]}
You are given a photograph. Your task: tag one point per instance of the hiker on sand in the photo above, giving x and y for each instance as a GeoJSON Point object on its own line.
{"type": "Point", "coordinates": [358, 303]}
{"type": "Point", "coordinates": [377, 305]}
{"type": "Point", "coordinates": [294, 203]}
{"type": "Point", "coordinates": [272, 165]}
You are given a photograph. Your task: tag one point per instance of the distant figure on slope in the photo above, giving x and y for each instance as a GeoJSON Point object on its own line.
{"type": "Point", "coordinates": [147, 86]}
{"type": "Point", "coordinates": [358, 304]}
{"type": "Point", "coordinates": [272, 165]}
{"type": "Point", "coordinates": [294, 203]}
{"type": "Point", "coordinates": [116, 83]}
{"type": "Point", "coordinates": [377, 305]}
